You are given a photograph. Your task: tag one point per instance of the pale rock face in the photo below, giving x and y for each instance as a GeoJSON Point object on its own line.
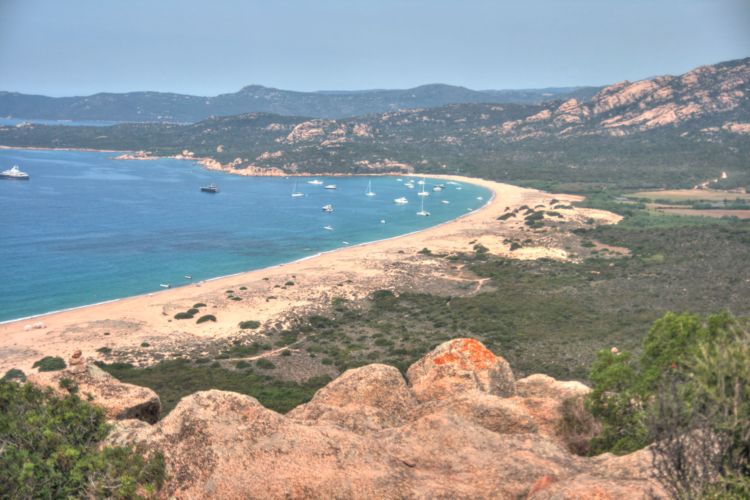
{"type": "Point", "coordinates": [544, 386]}
{"type": "Point", "coordinates": [543, 115]}
{"type": "Point", "coordinates": [225, 445]}
{"type": "Point", "coordinates": [306, 131]}
{"type": "Point", "coordinates": [119, 400]}
{"type": "Point", "coordinates": [366, 399]}
{"type": "Point", "coordinates": [457, 366]}
{"type": "Point", "coordinates": [366, 435]}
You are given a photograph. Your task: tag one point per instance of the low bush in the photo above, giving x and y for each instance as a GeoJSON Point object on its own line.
{"type": "Point", "coordinates": [50, 364]}
{"type": "Point", "coordinates": [265, 364]}
{"type": "Point", "coordinates": [105, 350]}
{"type": "Point", "coordinates": [578, 426]}
{"type": "Point", "coordinates": [172, 380]}
{"type": "Point", "coordinates": [206, 317]}
{"type": "Point", "coordinates": [183, 315]}
{"type": "Point", "coordinates": [249, 325]}
{"type": "Point", "coordinates": [14, 374]}
{"type": "Point", "coordinates": [199, 305]}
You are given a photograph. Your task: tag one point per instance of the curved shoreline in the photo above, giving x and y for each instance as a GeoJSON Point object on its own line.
{"type": "Point", "coordinates": [350, 272]}
{"type": "Point", "coordinates": [273, 266]}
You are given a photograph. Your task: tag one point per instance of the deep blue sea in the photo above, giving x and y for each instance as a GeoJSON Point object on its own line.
{"type": "Point", "coordinates": [87, 228]}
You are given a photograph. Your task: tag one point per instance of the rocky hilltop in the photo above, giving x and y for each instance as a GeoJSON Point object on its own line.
{"type": "Point", "coordinates": [458, 426]}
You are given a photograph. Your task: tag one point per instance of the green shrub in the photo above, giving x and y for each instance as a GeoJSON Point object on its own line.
{"type": "Point", "coordinates": [51, 450]}
{"type": "Point", "coordinates": [236, 299]}
{"type": "Point", "coordinates": [50, 364]}
{"type": "Point", "coordinates": [105, 350]}
{"type": "Point", "coordinates": [265, 364]}
{"type": "Point", "coordinates": [425, 251]}
{"type": "Point", "coordinates": [249, 325]}
{"type": "Point", "coordinates": [193, 311]}
{"type": "Point", "coordinates": [206, 317]}
{"type": "Point", "coordinates": [199, 305]}
{"type": "Point", "coordinates": [68, 384]}
{"type": "Point", "coordinates": [242, 364]}
{"type": "Point", "coordinates": [15, 374]}
{"type": "Point", "coordinates": [183, 315]}
{"type": "Point", "coordinates": [289, 283]}
{"type": "Point", "coordinates": [145, 344]}
{"type": "Point", "coordinates": [625, 389]}
{"type": "Point", "coordinates": [286, 352]}
{"type": "Point", "coordinates": [507, 216]}
{"type": "Point", "coordinates": [243, 288]}
{"type": "Point", "coordinates": [515, 246]}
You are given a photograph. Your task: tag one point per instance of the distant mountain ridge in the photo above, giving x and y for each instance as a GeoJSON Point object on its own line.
{"type": "Point", "coordinates": [171, 107]}
{"type": "Point", "coordinates": [663, 131]}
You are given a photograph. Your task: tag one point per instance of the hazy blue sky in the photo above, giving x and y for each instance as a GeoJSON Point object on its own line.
{"type": "Point", "coordinates": [75, 47]}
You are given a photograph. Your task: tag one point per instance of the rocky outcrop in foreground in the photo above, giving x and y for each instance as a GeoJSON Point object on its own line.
{"type": "Point", "coordinates": [461, 426]}
{"type": "Point", "coordinates": [119, 400]}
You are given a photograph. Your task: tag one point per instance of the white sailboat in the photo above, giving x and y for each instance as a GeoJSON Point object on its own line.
{"type": "Point", "coordinates": [423, 192]}
{"type": "Point", "coordinates": [369, 189]}
{"type": "Point", "coordinates": [295, 193]}
{"type": "Point", "coordinates": [422, 211]}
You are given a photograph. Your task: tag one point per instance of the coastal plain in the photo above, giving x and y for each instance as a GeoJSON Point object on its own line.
{"type": "Point", "coordinates": [143, 329]}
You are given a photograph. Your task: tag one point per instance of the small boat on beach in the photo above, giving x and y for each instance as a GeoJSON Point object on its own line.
{"type": "Point", "coordinates": [328, 208]}
{"type": "Point", "coordinates": [330, 186]}
{"type": "Point", "coordinates": [211, 188]}
{"type": "Point", "coordinates": [401, 201]}
{"type": "Point", "coordinates": [14, 173]}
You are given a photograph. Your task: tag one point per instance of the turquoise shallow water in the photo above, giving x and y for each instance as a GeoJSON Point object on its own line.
{"type": "Point", "coordinates": [87, 228]}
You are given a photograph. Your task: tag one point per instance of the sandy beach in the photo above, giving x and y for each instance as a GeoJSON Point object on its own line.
{"type": "Point", "coordinates": [145, 324]}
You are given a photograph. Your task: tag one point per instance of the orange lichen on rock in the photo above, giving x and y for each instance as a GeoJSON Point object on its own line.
{"type": "Point", "coordinates": [469, 354]}
{"type": "Point", "coordinates": [457, 366]}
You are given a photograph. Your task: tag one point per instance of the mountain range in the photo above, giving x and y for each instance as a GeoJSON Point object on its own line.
{"type": "Point", "coordinates": [169, 107]}
{"type": "Point", "coordinates": [662, 131]}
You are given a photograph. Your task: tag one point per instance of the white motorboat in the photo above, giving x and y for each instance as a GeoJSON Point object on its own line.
{"type": "Point", "coordinates": [330, 186]}
{"type": "Point", "coordinates": [401, 201]}
{"type": "Point", "coordinates": [315, 182]}
{"type": "Point", "coordinates": [328, 208]}
{"type": "Point", "coordinates": [14, 173]}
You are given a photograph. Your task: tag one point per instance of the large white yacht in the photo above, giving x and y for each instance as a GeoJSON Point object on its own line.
{"type": "Point", "coordinates": [15, 174]}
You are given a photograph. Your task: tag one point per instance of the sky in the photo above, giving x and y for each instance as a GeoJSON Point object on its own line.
{"type": "Point", "coordinates": [80, 47]}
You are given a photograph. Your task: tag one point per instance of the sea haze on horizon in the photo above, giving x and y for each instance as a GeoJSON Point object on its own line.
{"type": "Point", "coordinates": [87, 228]}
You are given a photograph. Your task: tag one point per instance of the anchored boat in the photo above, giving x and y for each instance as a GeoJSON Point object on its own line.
{"type": "Point", "coordinates": [14, 173]}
